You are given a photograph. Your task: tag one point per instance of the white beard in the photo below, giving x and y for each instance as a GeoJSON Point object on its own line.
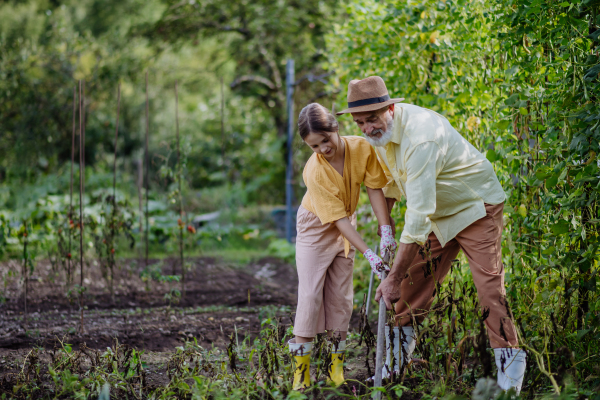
{"type": "Point", "coordinates": [385, 138]}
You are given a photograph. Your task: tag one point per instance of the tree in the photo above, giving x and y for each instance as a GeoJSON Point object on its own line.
{"type": "Point", "coordinates": [261, 35]}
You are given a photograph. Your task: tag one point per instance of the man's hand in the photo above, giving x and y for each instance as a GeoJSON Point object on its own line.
{"type": "Point", "coordinates": [390, 287]}
{"type": "Point", "coordinates": [390, 290]}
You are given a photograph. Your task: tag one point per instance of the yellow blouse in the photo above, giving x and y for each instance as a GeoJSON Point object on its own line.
{"type": "Point", "coordinates": [331, 196]}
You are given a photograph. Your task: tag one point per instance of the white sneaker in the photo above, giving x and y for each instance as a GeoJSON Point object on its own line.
{"type": "Point", "coordinates": [511, 367]}
{"type": "Point", "coordinates": [408, 348]}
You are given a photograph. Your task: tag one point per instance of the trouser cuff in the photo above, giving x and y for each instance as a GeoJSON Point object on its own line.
{"type": "Point", "coordinates": [340, 348]}
{"type": "Point", "coordinates": [299, 349]}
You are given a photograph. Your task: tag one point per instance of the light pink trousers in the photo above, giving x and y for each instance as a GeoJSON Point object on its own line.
{"type": "Point", "coordinates": [324, 277]}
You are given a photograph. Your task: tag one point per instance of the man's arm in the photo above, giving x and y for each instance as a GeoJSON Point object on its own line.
{"type": "Point", "coordinates": [390, 287]}
{"type": "Point", "coordinates": [421, 169]}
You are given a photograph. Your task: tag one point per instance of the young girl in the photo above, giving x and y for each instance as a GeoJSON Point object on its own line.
{"type": "Point", "coordinates": [327, 236]}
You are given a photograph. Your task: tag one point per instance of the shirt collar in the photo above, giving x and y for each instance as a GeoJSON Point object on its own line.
{"type": "Point", "coordinates": [397, 133]}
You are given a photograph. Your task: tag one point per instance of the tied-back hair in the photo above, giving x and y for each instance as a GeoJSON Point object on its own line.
{"type": "Point", "coordinates": [316, 119]}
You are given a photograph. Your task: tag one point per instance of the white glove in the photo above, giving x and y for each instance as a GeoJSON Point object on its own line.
{"type": "Point", "coordinates": [388, 243]}
{"type": "Point", "coordinates": [376, 262]}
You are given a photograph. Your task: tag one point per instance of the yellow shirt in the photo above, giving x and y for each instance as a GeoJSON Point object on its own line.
{"type": "Point", "coordinates": [445, 180]}
{"type": "Point", "coordinates": [331, 196]}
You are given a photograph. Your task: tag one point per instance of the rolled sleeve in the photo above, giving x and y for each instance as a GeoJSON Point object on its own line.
{"type": "Point", "coordinates": [391, 191]}
{"type": "Point", "coordinates": [375, 177]}
{"type": "Point", "coordinates": [422, 168]}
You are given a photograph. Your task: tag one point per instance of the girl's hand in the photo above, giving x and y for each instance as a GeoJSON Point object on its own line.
{"type": "Point", "coordinates": [376, 262]}
{"type": "Point", "coordinates": [388, 243]}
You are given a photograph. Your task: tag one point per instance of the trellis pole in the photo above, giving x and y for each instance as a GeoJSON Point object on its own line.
{"type": "Point", "coordinates": [289, 83]}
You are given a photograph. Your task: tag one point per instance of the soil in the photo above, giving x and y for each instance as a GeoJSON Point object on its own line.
{"type": "Point", "coordinates": [221, 299]}
{"type": "Point", "coordinates": [140, 315]}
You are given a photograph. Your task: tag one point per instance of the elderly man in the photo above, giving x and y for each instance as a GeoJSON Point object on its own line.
{"type": "Point", "coordinates": [454, 201]}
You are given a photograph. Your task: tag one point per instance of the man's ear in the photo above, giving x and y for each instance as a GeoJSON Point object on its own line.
{"type": "Point", "coordinates": [391, 109]}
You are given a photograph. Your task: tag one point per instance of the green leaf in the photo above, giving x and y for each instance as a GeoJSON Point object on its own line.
{"type": "Point", "coordinates": [502, 125]}
{"type": "Point", "coordinates": [582, 333]}
{"type": "Point", "coordinates": [541, 174]}
{"type": "Point", "coordinates": [492, 155]}
{"type": "Point", "coordinates": [561, 227]}
{"type": "Point", "coordinates": [551, 181]}
{"type": "Point", "coordinates": [549, 250]}
{"type": "Point", "coordinates": [523, 111]}
{"type": "Point", "coordinates": [512, 99]}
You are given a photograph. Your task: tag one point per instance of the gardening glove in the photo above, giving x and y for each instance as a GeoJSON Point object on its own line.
{"type": "Point", "coordinates": [387, 242]}
{"type": "Point", "coordinates": [376, 262]}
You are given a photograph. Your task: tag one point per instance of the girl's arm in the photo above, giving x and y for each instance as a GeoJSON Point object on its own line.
{"type": "Point", "coordinates": [385, 229]}
{"type": "Point", "coordinates": [350, 233]}
{"type": "Point", "coordinates": [353, 237]}
{"type": "Point", "coordinates": [380, 206]}
{"type": "Point", "coordinates": [380, 209]}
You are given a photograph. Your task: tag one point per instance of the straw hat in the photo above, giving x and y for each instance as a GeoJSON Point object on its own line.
{"type": "Point", "coordinates": [368, 94]}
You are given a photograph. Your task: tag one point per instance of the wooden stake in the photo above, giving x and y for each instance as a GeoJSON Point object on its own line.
{"type": "Point", "coordinates": [116, 138]}
{"type": "Point", "coordinates": [223, 129]}
{"type": "Point", "coordinates": [179, 173]}
{"type": "Point", "coordinates": [25, 273]}
{"type": "Point", "coordinates": [70, 260]}
{"type": "Point", "coordinates": [114, 209]}
{"type": "Point", "coordinates": [147, 162]}
{"type": "Point", "coordinates": [140, 184]}
{"type": "Point", "coordinates": [81, 191]}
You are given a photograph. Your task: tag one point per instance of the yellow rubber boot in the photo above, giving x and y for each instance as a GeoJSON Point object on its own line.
{"type": "Point", "coordinates": [301, 354]}
{"type": "Point", "coordinates": [336, 368]}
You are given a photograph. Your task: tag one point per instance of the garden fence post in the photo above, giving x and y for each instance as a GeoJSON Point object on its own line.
{"type": "Point", "coordinates": [289, 173]}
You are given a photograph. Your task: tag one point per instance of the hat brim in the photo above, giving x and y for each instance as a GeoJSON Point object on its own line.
{"type": "Point", "coordinates": [369, 107]}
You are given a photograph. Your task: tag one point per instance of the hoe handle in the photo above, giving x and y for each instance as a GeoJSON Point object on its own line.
{"type": "Point", "coordinates": [380, 345]}
{"type": "Point", "coordinates": [380, 338]}
{"type": "Point", "coordinates": [368, 305]}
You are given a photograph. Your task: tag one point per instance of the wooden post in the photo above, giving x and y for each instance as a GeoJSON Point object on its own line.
{"type": "Point", "coordinates": [81, 192]}
{"type": "Point", "coordinates": [147, 163]}
{"type": "Point", "coordinates": [114, 208]}
{"type": "Point", "coordinates": [70, 259]}
{"type": "Point", "coordinates": [179, 173]}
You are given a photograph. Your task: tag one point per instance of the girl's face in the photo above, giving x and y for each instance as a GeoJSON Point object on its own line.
{"type": "Point", "coordinates": [324, 145]}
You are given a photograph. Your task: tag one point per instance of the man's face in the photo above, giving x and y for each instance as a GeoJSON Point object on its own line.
{"type": "Point", "coordinates": [374, 123]}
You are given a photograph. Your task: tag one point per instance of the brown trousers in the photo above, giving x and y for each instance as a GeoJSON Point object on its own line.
{"type": "Point", "coordinates": [325, 290]}
{"type": "Point", "coordinates": [481, 243]}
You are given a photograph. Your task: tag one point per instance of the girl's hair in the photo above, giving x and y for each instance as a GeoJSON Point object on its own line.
{"type": "Point", "coordinates": [316, 119]}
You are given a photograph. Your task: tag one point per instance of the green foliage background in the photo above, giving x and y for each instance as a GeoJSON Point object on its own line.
{"type": "Point", "coordinates": [519, 79]}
